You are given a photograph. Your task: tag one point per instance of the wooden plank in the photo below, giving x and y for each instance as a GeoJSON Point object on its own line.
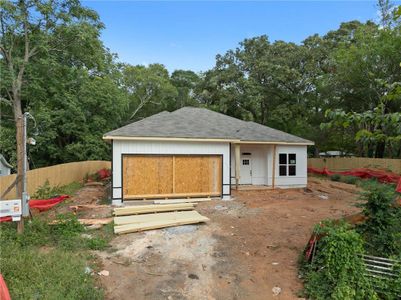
{"type": "Point", "coordinates": [88, 206]}
{"type": "Point", "coordinates": [102, 221]}
{"type": "Point", "coordinates": [189, 200]}
{"type": "Point", "coordinates": [141, 209]}
{"type": "Point", "coordinates": [176, 195]}
{"type": "Point", "coordinates": [123, 220]}
{"type": "Point", "coordinates": [157, 224]}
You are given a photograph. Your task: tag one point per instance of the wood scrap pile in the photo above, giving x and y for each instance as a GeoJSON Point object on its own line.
{"type": "Point", "coordinates": [146, 217]}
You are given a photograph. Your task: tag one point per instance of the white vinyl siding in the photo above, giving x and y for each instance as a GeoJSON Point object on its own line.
{"type": "Point", "coordinates": [167, 147]}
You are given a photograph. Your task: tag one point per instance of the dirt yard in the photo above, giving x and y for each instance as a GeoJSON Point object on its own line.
{"type": "Point", "coordinates": [250, 246]}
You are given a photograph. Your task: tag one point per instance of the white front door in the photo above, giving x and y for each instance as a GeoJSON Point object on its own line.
{"type": "Point", "coordinates": [246, 170]}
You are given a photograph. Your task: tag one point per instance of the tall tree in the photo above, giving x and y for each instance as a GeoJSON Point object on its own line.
{"type": "Point", "coordinates": [30, 29]}
{"type": "Point", "coordinates": [185, 82]}
{"type": "Point", "coordinates": [149, 90]}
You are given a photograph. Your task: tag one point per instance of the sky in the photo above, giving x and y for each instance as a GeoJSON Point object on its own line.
{"type": "Point", "coordinates": [189, 34]}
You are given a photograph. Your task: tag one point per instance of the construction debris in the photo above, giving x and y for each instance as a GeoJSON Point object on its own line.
{"type": "Point", "coordinates": [87, 206]}
{"type": "Point", "coordinates": [147, 217]}
{"type": "Point", "coordinates": [157, 224]}
{"type": "Point", "coordinates": [104, 273]}
{"type": "Point", "coordinates": [276, 290]}
{"type": "Point", "coordinates": [124, 220]}
{"type": "Point", "coordinates": [143, 209]}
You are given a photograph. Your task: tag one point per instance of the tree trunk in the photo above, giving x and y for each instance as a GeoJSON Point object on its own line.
{"type": "Point", "coordinates": [380, 147]}
{"type": "Point", "coordinates": [19, 124]}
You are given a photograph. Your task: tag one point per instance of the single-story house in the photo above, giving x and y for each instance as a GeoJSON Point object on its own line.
{"type": "Point", "coordinates": [196, 152]}
{"type": "Point", "coordinates": [5, 167]}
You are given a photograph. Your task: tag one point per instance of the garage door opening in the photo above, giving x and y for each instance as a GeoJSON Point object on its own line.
{"type": "Point", "coordinates": [171, 176]}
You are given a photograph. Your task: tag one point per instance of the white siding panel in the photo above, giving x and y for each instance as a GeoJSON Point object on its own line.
{"type": "Point", "coordinates": [166, 147]}
{"type": "Point", "coordinates": [258, 163]}
{"type": "Point", "coordinates": [300, 180]}
{"type": "Point", "coordinates": [262, 162]}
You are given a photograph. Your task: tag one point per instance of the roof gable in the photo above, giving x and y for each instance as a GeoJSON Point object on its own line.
{"type": "Point", "coordinates": [201, 123]}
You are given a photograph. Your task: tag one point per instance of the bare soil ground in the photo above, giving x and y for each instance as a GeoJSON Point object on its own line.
{"type": "Point", "coordinates": [250, 245]}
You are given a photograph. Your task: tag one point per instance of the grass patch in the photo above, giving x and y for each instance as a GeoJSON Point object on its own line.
{"type": "Point", "coordinates": [345, 179]}
{"type": "Point", "coordinates": [49, 261]}
{"type": "Point", "coordinates": [46, 191]}
{"type": "Point", "coordinates": [55, 274]}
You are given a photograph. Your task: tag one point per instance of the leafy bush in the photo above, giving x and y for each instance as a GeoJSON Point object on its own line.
{"type": "Point", "coordinates": [381, 230]}
{"type": "Point", "coordinates": [349, 179]}
{"type": "Point", "coordinates": [46, 191]}
{"type": "Point", "coordinates": [335, 177]}
{"type": "Point", "coordinates": [337, 271]}
{"type": "Point", "coordinates": [96, 243]}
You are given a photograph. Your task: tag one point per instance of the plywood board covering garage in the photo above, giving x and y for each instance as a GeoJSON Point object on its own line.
{"type": "Point", "coordinates": [169, 176]}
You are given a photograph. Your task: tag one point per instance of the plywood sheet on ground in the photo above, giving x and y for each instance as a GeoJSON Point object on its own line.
{"type": "Point", "coordinates": [158, 224]}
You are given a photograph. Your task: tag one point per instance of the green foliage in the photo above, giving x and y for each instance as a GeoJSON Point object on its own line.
{"type": "Point", "coordinates": [335, 177]}
{"type": "Point", "coordinates": [77, 91]}
{"type": "Point", "coordinates": [46, 191]}
{"type": "Point", "coordinates": [54, 256]}
{"type": "Point", "coordinates": [53, 274]}
{"type": "Point", "coordinates": [349, 179]}
{"type": "Point", "coordinates": [381, 231]}
{"type": "Point", "coordinates": [96, 243]}
{"type": "Point", "coordinates": [337, 271]}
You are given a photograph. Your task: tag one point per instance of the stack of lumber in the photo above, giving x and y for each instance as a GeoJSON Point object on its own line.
{"type": "Point", "coordinates": [188, 200]}
{"type": "Point", "coordinates": [147, 217]}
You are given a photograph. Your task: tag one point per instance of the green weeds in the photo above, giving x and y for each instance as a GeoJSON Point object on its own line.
{"type": "Point", "coordinates": [49, 261]}
{"type": "Point", "coordinates": [46, 191]}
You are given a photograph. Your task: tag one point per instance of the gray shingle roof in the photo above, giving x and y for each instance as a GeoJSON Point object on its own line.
{"type": "Point", "coordinates": [201, 123]}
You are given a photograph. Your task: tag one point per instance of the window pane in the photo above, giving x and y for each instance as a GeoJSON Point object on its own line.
{"type": "Point", "coordinates": [291, 170]}
{"type": "Point", "coordinates": [283, 158]}
{"type": "Point", "coordinates": [245, 162]}
{"type": "Point", "coordinates": [283, 170]}
{"type": "Point", "coordinates": [292, 159]}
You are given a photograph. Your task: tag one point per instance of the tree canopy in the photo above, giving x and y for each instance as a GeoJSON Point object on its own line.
{"type": "Point", "coordinates": [54, 65]}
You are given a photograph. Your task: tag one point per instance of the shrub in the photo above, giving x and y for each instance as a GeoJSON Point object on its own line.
{"type": "Point", "coordinates": [335, 177]}
{"type": "Point", "coordinates": [96, 243]}
{"type": "Point", "coordinates": [349, 179]}
{"type": "Point", "coordinates": [46, 191]}
{"type": "Point", "coordinates": [338, 271]}
{"type": "Point", "coordinates": [381, 230]}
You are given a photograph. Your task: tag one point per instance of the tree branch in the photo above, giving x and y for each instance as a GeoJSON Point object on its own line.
{"type": "Point", "coordinates": [6, 101]}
